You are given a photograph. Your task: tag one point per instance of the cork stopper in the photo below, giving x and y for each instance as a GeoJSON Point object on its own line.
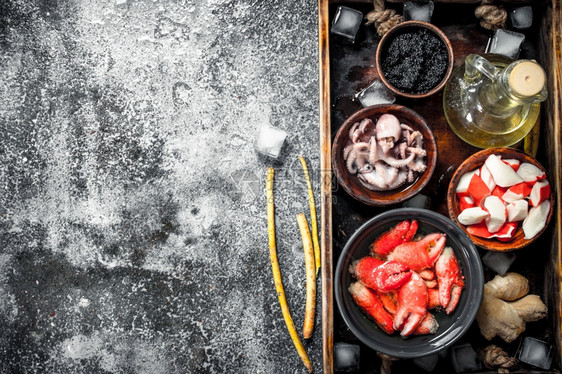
{"type": "Point", "coordinates": [527, 78]}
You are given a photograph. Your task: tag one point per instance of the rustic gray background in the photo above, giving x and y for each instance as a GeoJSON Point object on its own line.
{"type": "Point", "coordinates": [132, 211]}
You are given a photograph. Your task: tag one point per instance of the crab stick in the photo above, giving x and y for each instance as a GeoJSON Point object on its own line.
{"type": "Point", "coordinates": [513, 163]}
{"type": "Point", "coordinates": [539, 193]}
{"type": "Point", "coordinates": [536, 219]}
{"type": "Point", "coordinates": [517, 192]}
{"type": "Point", "coordinates": [466, 202]}
{"type": "Point", "coordinates": [529, 173]}
{"type": "Point", "coordinates": [472, 216]}
{"type": "Point", "coordinates": [517, 210]}
{"type": "Point", "coordinates": [504, 175]}
{"type": "Point", "coordinates": [497, 211]}
{"type": "Point", "coordinates": [477, 189]}
{"type": "Point", "coordinates": [487, 177]}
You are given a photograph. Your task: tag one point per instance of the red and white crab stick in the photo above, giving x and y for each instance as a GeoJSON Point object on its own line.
{"type": "Point", "coordinates": [498, 195]}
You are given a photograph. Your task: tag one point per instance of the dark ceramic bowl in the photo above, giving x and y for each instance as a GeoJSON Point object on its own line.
{"type": "Point", "coordinates": [351, 183]}
{"type": "Point", "coordinates": [474, 162]}
{"type": "Point", "coordinates": [413, 25]}
{"type": "Point", "coordinates": [451, 327]}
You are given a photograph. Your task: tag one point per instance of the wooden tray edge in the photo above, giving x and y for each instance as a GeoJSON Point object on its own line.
{"type": "Point", "coordinates": [555, 122]}
{"type": "Point", "coordinates": [326, 188]}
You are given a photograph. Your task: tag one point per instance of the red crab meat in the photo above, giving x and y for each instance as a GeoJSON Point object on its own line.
{"type": "Point", "coordinates": [433, 298]}
{"type": "Point", "coordinates": [450, 280]}
{"type": "Point", "coordinates": [419, 255]}
{"type": "Point", "coordinates": [378, 275]}
{"type": "Point", "coordinates": [401, 233]}
{"type": "Point", "coordinates": [368, 300]}
{"type": "Point", "coordinates": [412, 301]}
{"type": "Point", "coordinates": [389, 301]}
{"type": "Point", "coordinates": [428, 325]}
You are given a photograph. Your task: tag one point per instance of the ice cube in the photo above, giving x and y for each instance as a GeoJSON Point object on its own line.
{"type": "Point", "coordinates": [427, 363]}
{"type": "Point", "coordinates": [464, 359]}
{"type": "Point", "coordinates": [419, 201]}
{"type": "Point", "coordinates": [346, 357]}
{"type": "Point", "coordinates": [269, 141]}
{"type": "Point", "coordinates": [498, 261]}
{"type": "Point", "coordinates": [346, 23]}
{"type": "Point", "coordinates": [522, 17]}
{"type": "Point", "coordinates": [418, 11]}
{"type": "Point", "coordinates": [443, 353]}
{"type": "Point", "coordinates": [537, 353]}
{"type": "Point", "coordinates": [507, 43]}
{"type": "Point", "coordinates": [375, 93]}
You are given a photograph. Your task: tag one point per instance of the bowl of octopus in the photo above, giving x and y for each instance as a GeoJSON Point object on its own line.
{"type": "Point", "coordinates": [384, 154]}
{"type": "Point", "coordinates": [409, 283]}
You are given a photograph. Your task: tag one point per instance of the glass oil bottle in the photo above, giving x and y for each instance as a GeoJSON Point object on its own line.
{"type": "Point", "coordinates": [494, 101]}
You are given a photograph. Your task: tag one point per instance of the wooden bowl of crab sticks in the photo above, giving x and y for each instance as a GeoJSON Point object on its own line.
{"type": "Point", "coordinates": [501, 198]}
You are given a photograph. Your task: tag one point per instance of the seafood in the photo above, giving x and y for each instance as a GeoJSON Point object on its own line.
{"type": "Point", "coordinates": [449, 279]}
{"type": "Point", "coordinates": [419, 255]}
{"type": "Point", "coordinates": [378, 275]}
{"type": "Point", "coordinates": [384, 155]}
{"type": "Point", "coordinates": [402, 279]}
{"type": "Point", "coordinates": [428, 325]}
{"type": "Point", "coordinates": [401, 233]}
{"type": "Point", "coordinates": [412, 301]}
{"type": "Point", "coordinates": [503, 193]}
{"type": "Point", "coordinates": [368, 300]}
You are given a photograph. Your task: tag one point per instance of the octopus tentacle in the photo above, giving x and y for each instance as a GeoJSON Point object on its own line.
{"type": "Point", "coordinates": [357, 156]}
{"type": "Point", "coordinates": [366, 122]}
{"type": "Point", "coordinates": [352, 130]}
{"type": "Point", "coordinates": [346, 151]}
{"type": "Point", "coordinates": [417, 137]}
{"type": "Point", "coordinates": [373, 153]}
{"type": "Point", "coordinates": [402, 148]}
{"type": "Point", "coordinates": [410, 175]}
{"type": "Point", "coordinates": [373, 181]}
{"type": "Point", "coordinates": [397, 163]}
{"type": "Point", "coordinates": [417, 151]}
{"type": "Point", "coordinates": [406, 127]}
{"type": "Point", "coordinates": [400, 180]}
{"type": "Point", "coordinates": [351, 167]}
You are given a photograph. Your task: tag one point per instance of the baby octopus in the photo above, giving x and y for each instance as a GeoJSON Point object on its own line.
{"type": "Point", "coordinates": [384, 155]}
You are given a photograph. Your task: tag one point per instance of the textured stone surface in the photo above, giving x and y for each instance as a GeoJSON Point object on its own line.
{"type": "Point", "coordinates": [132, 211]}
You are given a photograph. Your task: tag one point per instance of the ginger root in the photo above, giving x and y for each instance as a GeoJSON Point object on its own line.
{"type": "Point", "coordinates": [500, 315]}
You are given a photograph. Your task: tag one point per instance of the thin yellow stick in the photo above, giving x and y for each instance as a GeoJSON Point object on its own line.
{"type": "Point", "coordinates": [313, 220]}
{"type": "Point", "coordinates": [277, 273]}
{"type": "Point", "coordinates": [310, 277]}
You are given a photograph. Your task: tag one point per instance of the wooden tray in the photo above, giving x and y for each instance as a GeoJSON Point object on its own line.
{"type": "Point", "coordinates": [340, 78]}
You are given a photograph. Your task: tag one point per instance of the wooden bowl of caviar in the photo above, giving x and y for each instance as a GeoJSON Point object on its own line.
{"type": "Point", "coordinates": [414, 59]}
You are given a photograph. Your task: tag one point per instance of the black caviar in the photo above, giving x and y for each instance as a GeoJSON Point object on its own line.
{"type": "Point", "coordinates": [414, 61]}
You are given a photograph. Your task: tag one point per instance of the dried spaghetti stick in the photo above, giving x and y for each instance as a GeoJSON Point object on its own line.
{"type": "Point", "coordinates": [277, 273]}
{"type": "Point", "coordinates": [313, 220]}
{"type": "Point", "coordinates": [310, 277]}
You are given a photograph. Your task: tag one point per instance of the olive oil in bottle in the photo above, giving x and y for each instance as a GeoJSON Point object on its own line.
{"type": "Point", "coordinates": [494, 101]}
